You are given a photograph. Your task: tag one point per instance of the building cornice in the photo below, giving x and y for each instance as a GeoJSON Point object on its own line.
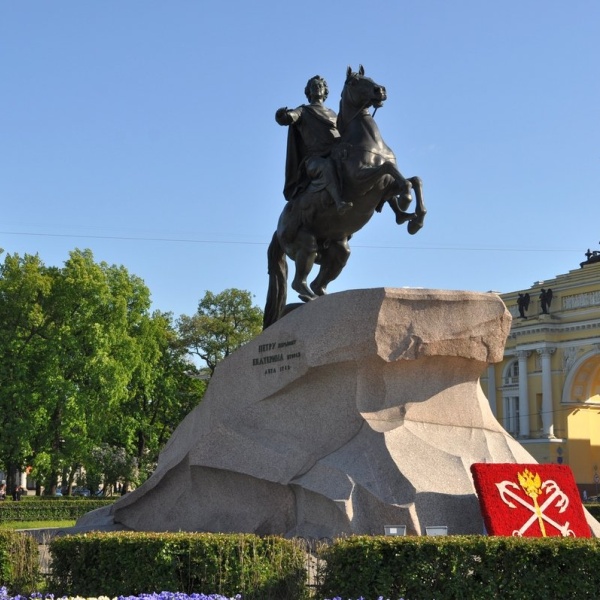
{"type": "Point", "coordinates": [555, 327]}
{"type": "Point", "coordinates": [542, 346]}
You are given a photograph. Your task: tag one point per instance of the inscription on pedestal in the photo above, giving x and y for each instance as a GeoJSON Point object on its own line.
{"type": "Point", "coordinates": [277, 355]}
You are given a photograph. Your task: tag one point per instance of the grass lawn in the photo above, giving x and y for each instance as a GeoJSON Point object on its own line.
{"type": "Point", "coordinates": [36, 524]}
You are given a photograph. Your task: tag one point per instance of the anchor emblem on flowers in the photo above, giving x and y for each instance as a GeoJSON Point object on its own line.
{"type": "Point", "coordinates": [533, 487]}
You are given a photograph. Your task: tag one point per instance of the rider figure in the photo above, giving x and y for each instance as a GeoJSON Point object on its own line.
{"type": "Point", "coordinates": [311, 136]}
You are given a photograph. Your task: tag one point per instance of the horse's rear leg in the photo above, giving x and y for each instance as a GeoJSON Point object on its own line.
{"type": "Point", "coordinates": [304, 257]}
{"type": "Point", "coordinates": [333, 260]}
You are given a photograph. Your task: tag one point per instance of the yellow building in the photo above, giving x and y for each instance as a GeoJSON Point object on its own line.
{"type": "Point", "coordinates": [546, 391]}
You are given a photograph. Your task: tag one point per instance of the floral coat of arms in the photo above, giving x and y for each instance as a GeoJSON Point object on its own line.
{"type": "Point", "coordinates": [529, 500]}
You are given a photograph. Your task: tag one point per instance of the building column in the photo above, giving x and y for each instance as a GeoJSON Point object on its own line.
{"type": "Point", "coordinates": [547, 404]}
{"type": "Point", "coordinates": [522, 355]}
{"type": "Point", "coordinates": [491, 391]}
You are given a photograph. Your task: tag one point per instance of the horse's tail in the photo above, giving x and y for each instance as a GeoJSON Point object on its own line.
{"type": "Point", "coordinates": [278, 272]}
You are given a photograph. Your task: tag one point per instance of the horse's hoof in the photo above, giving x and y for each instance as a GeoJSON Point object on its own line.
{"type": "Point", "coordinates": [414, 225]}
{"type": "Point", "coordinates": [403, 217]}
{"type": "Point", "coordinates": [306, 297]}
{"type": "Point", "coordinates": [319, 291]}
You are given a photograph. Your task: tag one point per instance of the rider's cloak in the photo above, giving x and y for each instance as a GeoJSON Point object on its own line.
{"type": "Point", "coordinates": [313, 134]}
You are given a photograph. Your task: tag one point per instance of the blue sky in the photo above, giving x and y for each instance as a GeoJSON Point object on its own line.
{"type": "Point", "coordinates": [144, 130]}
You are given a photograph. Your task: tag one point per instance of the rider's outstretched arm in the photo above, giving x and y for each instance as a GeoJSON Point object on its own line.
{"type": "Point", "coordinates": [285, 116]}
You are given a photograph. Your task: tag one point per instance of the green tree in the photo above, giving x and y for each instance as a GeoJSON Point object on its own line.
{"type": "Point", "coordinates": [222, 323]}
{"type": "Point", "coordinates": [107, 465]}
{"type": "Point", "coordinates": [162, 391]}
{"type": "Point", "coordinates": [25, 286]}
{"type": "Point", "coordinates": [88, 358]}
{"type": "Point", "coordinates": [83, 363]}
{"type": "Point", "coordinates": [70, 359]}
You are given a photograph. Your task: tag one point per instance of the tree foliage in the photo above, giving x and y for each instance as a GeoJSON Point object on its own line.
{"type": "Point", "coordinates": [84, 364]}
{"type": "Point", "coordinates": [92, 384]}
{"type": "Point", "coordinates": [24, 288]}
{"type": "Point", "coordinates": [222, 323]}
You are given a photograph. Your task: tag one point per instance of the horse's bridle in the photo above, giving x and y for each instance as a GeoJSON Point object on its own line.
{"type": "Point", "coordinates": [363, 107]}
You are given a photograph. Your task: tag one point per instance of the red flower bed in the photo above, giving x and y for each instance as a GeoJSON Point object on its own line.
{"type": "Point", "coordinates": [529, 500]}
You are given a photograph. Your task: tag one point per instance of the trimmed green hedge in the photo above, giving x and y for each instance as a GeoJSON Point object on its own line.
{"type": "Point", "coordinates": [473, 567]}
{"type": "Point", "coordinates": [42, 510]}
{"type": "Point", "coordinates": [19, 562]}
{"type": "Point", "coordinates": [128, 563]}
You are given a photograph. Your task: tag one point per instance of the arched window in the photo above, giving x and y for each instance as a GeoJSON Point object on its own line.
{"type": "Point", "coordinates": [511, 373]}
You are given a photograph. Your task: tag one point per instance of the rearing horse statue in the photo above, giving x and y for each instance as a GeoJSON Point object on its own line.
{"type": "Point", "coordinates": [311, 229]}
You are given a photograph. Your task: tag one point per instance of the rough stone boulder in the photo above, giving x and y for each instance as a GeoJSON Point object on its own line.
{"type": "Point", "coordinates": [357, 410]}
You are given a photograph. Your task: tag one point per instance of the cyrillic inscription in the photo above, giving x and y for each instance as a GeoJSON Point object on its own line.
{"type": "Point", "coordinates": [274, 356]}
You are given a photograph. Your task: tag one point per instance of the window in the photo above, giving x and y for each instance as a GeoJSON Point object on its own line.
{"type": "Point", "coordinates": [511, 415]}
{"type": "Point", "coordinates": [511, 373]}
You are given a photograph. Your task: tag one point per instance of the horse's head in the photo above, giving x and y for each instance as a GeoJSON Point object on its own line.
{"type": "Point", "coordinates": [362, 92]}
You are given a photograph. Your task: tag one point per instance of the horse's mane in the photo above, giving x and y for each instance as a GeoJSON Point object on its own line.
{"type": "Point", "coordinates": [340, 123]}
{"type": "Point", "coordinates": [341, 117]}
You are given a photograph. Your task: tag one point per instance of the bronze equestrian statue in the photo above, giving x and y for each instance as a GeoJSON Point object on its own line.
{"type": "Point", "coordinates": [339, 171]}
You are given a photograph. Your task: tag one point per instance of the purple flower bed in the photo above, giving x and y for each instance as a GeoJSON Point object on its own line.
{"type": "Point", "coordinates": [4, 595]}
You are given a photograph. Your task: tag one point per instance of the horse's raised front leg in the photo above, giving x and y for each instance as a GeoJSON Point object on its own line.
{"type": "Point", "coordinates": [415, 219]}
{"type": "Point", "coordinates": [333, 260]}
{"type": "Point", "coordinates": [403, 185]}
{"type": "Point", "coordinates": [416, 223]}
{"type": "Point", "coordinates": [401, 216]}
{"type": "Point", "coordinates": [304, 257]}
{"type": "Point", "coordinates": [403, 195]}
{"type": "Point", "coordinates": [392, 194]}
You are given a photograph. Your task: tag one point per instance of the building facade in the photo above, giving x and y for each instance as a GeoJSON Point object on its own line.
{"type": "Point", "coordinates": [546, 391]}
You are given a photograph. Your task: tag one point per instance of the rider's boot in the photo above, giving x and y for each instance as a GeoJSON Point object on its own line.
{"type": "Point", "coordinates": [341, 205]}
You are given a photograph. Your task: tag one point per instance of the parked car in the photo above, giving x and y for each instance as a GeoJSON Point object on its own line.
{"type": "Point", "coordinates": [80, 491]}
